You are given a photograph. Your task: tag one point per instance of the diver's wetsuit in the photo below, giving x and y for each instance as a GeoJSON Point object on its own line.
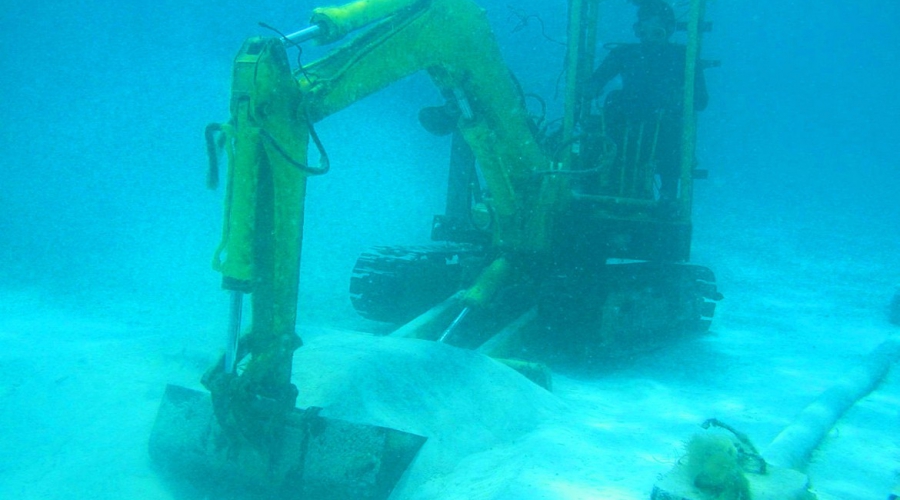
{"type": "Point", "coordinates": [652, 82]}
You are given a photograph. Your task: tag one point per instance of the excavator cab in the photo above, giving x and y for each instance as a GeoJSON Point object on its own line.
{"type": "Point", "coordinates": [550, 243]}
{"type": "Point", "coordinates": [615, 276]}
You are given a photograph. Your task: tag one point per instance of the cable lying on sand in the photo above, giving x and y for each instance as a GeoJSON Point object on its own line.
{"type": "Point", "coordinates": [721, 464]}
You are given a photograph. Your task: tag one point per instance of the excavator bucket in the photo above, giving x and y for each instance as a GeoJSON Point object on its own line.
{"type": "Point", "coordinates": [312, 456]}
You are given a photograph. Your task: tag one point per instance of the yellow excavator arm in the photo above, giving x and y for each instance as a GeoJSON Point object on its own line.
{"type": "Point", "coordinates": [452, 41]}
{"type": "Point", "coordinates": [273, 112]}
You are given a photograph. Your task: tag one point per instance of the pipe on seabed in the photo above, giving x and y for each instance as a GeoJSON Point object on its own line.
{"type": "Point", "coordinates": [792, 447]}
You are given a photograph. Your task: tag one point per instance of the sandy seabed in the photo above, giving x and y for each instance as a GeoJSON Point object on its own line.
{"type": "Point", "coordinates": [81, 378]}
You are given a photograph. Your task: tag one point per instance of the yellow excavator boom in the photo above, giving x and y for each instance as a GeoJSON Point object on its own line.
{"type": "Point", "coordinates": [273, 112]}
{"type": "Point", "coordinates": [453, 42]}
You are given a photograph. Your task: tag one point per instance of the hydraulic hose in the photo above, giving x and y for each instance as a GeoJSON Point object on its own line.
{"type": "Point", "coordinates": [324, 162]}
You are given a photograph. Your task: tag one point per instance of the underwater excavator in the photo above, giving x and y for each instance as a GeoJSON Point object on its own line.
{"type": "Point", "coordinates": [552, 241]}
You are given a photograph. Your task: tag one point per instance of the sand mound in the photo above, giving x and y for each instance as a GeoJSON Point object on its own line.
{"type": "Point", "coordinates": [465, 403]}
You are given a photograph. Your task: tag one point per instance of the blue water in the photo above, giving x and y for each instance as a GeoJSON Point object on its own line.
{"type": "Point", "coordinates": [104, 108]}
{"type": "Point", "coordinates": [103, 160]}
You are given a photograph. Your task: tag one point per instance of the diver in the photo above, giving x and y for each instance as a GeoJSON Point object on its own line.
{"type": "Point", "coordinates": [647, 112]}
